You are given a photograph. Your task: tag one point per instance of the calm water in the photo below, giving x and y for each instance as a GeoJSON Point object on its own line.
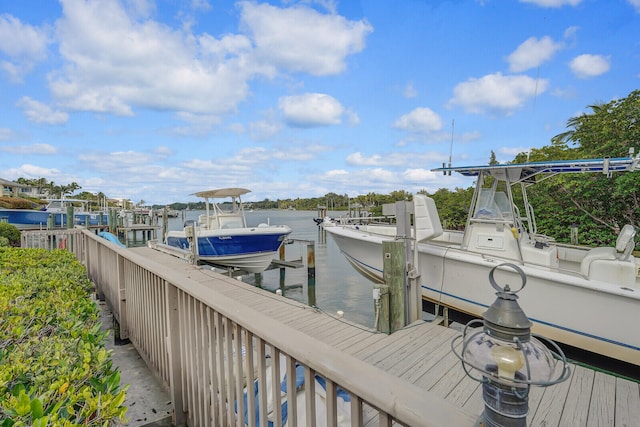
{"type": "Point", "coordinates": [337, 285]}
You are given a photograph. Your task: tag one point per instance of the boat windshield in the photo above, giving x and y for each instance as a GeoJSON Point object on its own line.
{"type": "Point", "coordinates": [492, 205]}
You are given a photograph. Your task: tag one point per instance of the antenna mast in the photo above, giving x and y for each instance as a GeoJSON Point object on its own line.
{"type": "Point", "coordinates": [451, 146]}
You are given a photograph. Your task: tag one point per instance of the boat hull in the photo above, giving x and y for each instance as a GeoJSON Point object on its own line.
{"type": "Point", "coordinates": [29, 218]}
{"type": "Point", "coordinates": [250, 249]}
{"type": "Point", "coordinates": [567, 308]}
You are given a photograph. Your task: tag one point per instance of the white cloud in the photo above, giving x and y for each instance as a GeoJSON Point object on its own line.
{"type": "Point", "coordinates": [226, 46]}
{"type": "Point", "coordinates": [571, 32]}
{"type": "Point", "coordinates": [421, 120]}
{"type": "Point", "coordinates": [378, 180]}
{"type": "Point", "coordinates": [128, 158]}
{"type": "Point", "coordinates": [586, 66]}
{"type": "Point", "coordinates": [6, 134]}
{"type": "Point", "coordinates": [353, 119]}
{"type": "Point", "coordinates": [115, 63]}
{"type": "Point", "coordinates": [263, 129]}
{"type": "Point", "coordinates": [237, 128]}
{"type": "Point", "coordinates": [117, 60]}
{"type": "Point", "coordinates": [33, 171]}
{"type": "Point", "coordinates": [38, 112]}
{"type": "Point", "coordinates": [511, 152]}
{"type": "Point", "coordinates": [299, 39]}
{"type": "Point", "coordinates": [496, 93]}
{"type": "Point", "coordinates": [635, 4]}
{"type": "Point", "coordinates": [532, 52]}
{"type": "Point", "coordinates": [393, 159]}
{"type": "Point", "coordinates": [24, 44]}
{"type": "Point", "coordinates": [421, 176]}
{"type": "Point", "coordinates": [553, 3]}
{"type": "Point", "coordinates": [409, 91]}
{"type": "Point", "coordinates": [311, 109]}
{"type": "Point", "coordinates": [37, 149]}
{"type": "Point", "coordinates": [163, 151]}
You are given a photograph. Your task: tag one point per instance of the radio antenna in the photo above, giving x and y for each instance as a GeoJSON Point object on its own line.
{"type": "Point", "coordinates": [451, 146]}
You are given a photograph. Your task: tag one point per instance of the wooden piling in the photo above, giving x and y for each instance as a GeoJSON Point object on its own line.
{"type": "Point", "coordinates": [282, 257]}
{"type": "Point", "coordinates": [69, 216]}
{"type": "Point", "coordinates": [165, 224]}
{"type": "Point", "coordinates": [311, 260]}
{"type": "Point", "coordinates": [382, 307]}
{"type": "Point", "coordinates": [394, 272]}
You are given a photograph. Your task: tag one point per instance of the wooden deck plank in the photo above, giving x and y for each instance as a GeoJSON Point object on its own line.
{"type": "Point", "coordinates": [356, 347]}
{"type": "Point", "coordinates": [350, 336]}
{"type": "Point", "coordinates": [421, 356]}
{"type": "Point", "coordinates": [627, 408]}
{"type": "Point", "coordinates": [449, 365]}
{"type": "Point", "coordinates": [361, 339]}
{"type": "Point", "coordinates": [550, 407]}
{"type": "Point", "coordinates": [397, 344]}
{"type": "Point", "coordinates": [423, 365]}
{"type": "Point", "coordinates": [475, 404]}
{"type": "Point", "coordinates": [602, 401]}
{"type": "Point", "coordinates": [338, 332]}
{"type": "Point", "coordinates": [450, 380]}
{"type": "Point", "coordinates": [463, 391]}
{"type": "Point", "coordinates": [312, 324]}
{"type": "Point", "coordinates": [576, 406]}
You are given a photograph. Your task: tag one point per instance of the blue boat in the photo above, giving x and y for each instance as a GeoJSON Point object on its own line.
{"type": "Point", "coordinates": [56, 209]}
{"type": "Point", "coordinates": [224, 238]}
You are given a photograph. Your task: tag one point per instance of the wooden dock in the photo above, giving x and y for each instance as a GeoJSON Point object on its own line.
{"type": "Point", "coordinates": [420, 354]}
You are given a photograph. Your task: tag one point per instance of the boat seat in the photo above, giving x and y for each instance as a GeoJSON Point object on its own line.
{"type": "Point", "coordinates": [427, 220]}
{"type": "Point", "coordinates": [613, 264]}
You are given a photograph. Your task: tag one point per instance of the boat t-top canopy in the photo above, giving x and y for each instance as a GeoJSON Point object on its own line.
{"type": "Point", "coordinates": [222, 192]}
{"type": "Point", "coordinates": [237, 209]}
{"type": "Point", "coordinates": [526, 172]}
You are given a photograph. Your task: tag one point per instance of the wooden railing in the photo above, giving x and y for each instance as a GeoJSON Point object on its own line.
{"type": "Point", "coordinates": [204, 346]}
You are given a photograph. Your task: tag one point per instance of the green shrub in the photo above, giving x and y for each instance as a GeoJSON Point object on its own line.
{"type": "Point", "coordinates": [54, 369]}
{"type": "Point", "coordinates": [17, 203]}
{"type": "Point", "coordinates": [11, 233]}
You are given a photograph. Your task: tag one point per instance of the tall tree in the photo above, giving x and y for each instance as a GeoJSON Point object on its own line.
{"type": "Point", "coordinates": [598, 204]}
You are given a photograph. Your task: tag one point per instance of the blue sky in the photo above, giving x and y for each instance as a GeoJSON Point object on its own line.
{"type": "Point", "coordinates": [156, 100]}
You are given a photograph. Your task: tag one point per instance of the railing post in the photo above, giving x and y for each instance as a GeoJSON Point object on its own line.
{"type": "Point", "coordinates": [122, 300]}
{"type": "Point", "coordinates": [175, 364]}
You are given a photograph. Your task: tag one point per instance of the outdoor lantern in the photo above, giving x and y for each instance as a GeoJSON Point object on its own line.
{"type": "Point", "coordinates": [508, 357]}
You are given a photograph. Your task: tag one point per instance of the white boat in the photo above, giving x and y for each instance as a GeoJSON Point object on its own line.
{"type": "Point", "coordinates": [584, 297]}
{"type": "Point", "coordinates": [224, 238]}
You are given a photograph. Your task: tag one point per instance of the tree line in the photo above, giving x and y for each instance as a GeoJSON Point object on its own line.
{"type": "Point", "coordinates": [599, 205]}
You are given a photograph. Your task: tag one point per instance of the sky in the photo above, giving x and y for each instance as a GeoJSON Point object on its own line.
{"type": "Point", "coordinates": [155, 100]}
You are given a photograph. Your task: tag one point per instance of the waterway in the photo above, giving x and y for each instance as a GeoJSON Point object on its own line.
{"type": "Point", "coordinates": [337, 286]}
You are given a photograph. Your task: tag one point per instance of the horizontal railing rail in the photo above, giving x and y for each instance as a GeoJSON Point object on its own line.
{"type": "Point", "coordinates": [226, 364]}
{"type": "Point", "coordinates": [70, 239]}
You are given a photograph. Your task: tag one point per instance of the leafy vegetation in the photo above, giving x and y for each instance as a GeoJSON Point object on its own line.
{"type": "Point", "coordinates": [599, 205]}
{"type": "Point", "coordinates": [54, 369]}
{"type": "Point", "coordinates": [19, 203]}
{"type": "Point", "coordinates": [9, 235]}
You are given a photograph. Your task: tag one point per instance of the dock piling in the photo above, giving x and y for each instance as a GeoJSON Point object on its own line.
{"type": "Point", "coordinates": [394, 272]}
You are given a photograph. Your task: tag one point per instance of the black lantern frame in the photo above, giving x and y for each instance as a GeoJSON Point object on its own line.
{"type": "Point", "coordinates": [510, 358]}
